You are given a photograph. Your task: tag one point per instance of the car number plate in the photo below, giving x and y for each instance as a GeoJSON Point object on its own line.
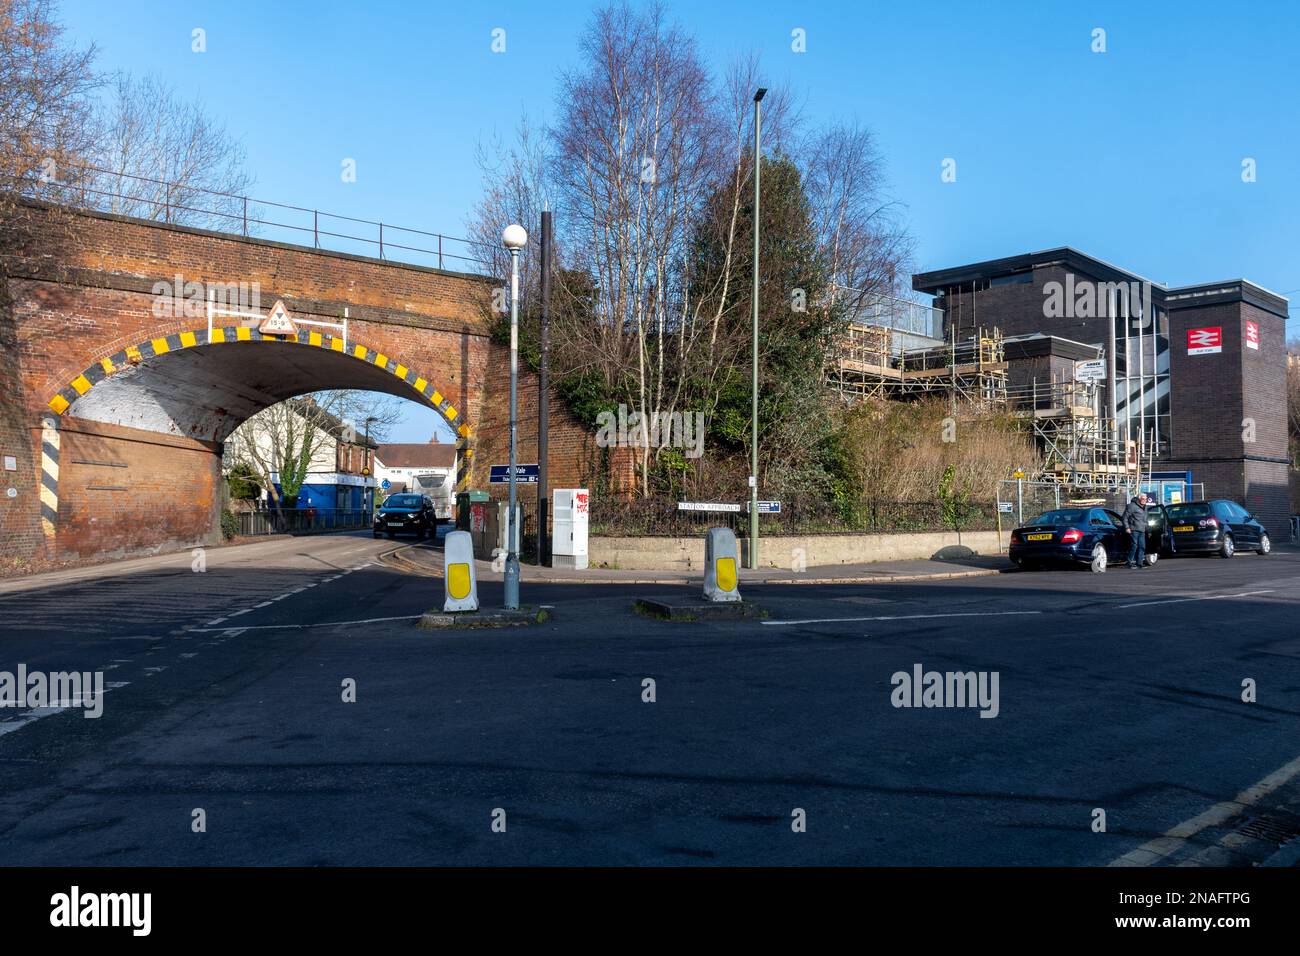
{"type": "Point", "coordinates": [1038, 537]}
{"type": "Point", "coordinates": [1184, 527]}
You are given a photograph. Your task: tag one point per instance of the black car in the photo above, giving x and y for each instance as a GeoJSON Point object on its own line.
{"type": "Point", "coordinates": [406, 514]}
{"type": "Point", "coordinates": [1216, 527]}
{"type": "Point", "coordinates": [1083, 535]}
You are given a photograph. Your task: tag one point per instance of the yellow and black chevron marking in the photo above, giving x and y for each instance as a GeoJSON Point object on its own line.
{"type": "Point", "coordinates": [465, 462]}
{"type": "Point", "coordinates": [102, 369]}
{"type": "Point", "coordinates": [49, 474]}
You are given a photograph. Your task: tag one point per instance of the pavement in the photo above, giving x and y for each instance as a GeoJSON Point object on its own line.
{"type": "Point", "coordinates": [286, 693]}
{"type": "Point", "coordinates": [426, 559]}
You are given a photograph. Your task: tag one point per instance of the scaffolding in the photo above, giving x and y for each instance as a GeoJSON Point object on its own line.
{"type": "Point", "coordinates": [864, 363]}
{"type": "Point", "coordinates": [895, 348]}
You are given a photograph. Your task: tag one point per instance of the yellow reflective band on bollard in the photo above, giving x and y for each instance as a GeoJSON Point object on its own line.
{"type": "Point", "coordinates": [458, 581]}
{"type": "Point", "coordinates": [726, 574]}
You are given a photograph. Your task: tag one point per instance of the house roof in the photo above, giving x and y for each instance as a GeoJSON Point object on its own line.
{"type": "Point", "coordinates": [416, 455]}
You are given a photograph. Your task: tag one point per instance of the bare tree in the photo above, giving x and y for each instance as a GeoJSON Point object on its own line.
{"type": "Point", "coordinates": [161, 157]}
{"type": "Point", "coordinates": [283, 443]}
{"type": "Point", "coordinates": [516, 191]}
{"type": "Point", "coordinates": [46, 117]}
{"type": "Point", "coordinates": [634, 150]}
{"type": "Point", "coordinates": [649, 165]}
{"type": "Point", "coordinates": [864, 244]}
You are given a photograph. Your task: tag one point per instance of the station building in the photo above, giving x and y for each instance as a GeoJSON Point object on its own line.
{"type": "Point", "coordinates": [1193, 377]}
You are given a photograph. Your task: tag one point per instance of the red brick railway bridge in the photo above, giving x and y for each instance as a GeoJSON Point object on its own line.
{"type": "Point", "coordinates": [115, 403]}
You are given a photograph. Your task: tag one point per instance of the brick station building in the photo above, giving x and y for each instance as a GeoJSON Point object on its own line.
{"type": "Point", "coordinates": [1200, 370]}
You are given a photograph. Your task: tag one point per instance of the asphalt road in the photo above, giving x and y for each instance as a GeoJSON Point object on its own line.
{"type": "Point", "coordinates": [1118, 692]}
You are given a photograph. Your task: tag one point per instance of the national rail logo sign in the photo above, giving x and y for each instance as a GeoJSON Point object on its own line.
{"type": "Point", "coordinates": [1205, 341]}
{"type": "Point", "coordinates": [1252, 335]}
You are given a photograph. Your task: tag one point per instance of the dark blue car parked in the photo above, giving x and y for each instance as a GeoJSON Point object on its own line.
{"type": "Point", "coordinates": [1084, 535]}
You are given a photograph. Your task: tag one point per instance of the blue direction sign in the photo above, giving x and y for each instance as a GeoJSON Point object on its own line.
{"type": "Point", "coordinates": [524, 475]}
{"type": "Point", "coordinates": [384, 484]}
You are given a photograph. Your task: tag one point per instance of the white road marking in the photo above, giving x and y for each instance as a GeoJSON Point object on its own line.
{"type": "Point", "coordinates": [894, 617]}
{"type": "Point", "coordinates": [35, 714]}
{"type": "Point", "coordinates": [1204, 597]}
{"type": "Point", "coordinates": [263, 604]}
{"type": "Point", "coordinates": [237, 613]}
{"type": "Point", "coordinates": [284, 627]}
{"type": "Point", "coordinates": [1160, 848]}
{"type": "Point", "coordinates": [217, 621]}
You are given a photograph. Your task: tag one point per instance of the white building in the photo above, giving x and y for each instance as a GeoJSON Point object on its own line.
{"type": "Point", "coordinates": [428, 468]}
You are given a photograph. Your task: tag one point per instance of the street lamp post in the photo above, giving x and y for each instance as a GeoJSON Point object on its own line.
{"type": "Point", "coordinates": [514, 238]}
{"type": "Point", "coordinates": [753, 438]}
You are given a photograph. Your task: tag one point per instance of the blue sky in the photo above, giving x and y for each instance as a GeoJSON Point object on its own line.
{"type": "Point", "coordinates": [1133, 155]}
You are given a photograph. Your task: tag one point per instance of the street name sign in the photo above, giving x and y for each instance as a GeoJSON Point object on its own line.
{"type": "Point", "coordinates": [524, 474]}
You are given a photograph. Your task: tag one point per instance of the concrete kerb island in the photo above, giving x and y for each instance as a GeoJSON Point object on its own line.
{"type": "Point", "coordinates": [485, 618]}
{"type": "Point", "coordinates": [721, 599]}
{"type": "Point", "coordinates": [460, 607]}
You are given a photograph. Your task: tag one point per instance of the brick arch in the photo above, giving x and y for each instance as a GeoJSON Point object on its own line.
{"type": "Point", "coordinates": [105, 368]}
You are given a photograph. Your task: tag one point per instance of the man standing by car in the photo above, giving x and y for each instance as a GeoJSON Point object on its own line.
{"type": "Point", "coordinates": [1135, 521]}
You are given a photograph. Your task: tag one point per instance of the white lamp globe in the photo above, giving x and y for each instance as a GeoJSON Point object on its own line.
{"type": "Point", "coordinates": [514, 237]}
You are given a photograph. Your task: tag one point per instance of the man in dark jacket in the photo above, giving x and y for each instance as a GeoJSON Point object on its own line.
{"type": "Point", "coordinates": [1135, 520]}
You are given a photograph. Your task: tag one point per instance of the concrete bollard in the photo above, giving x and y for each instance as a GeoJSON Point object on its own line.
{"type": "Point", "coordinates": [459, 582]}
{"type": "Point", "coordinates": [721, 564]}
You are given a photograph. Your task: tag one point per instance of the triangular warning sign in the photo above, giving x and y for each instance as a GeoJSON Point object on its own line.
{"type": "Point", "coordinates": [277, 321]}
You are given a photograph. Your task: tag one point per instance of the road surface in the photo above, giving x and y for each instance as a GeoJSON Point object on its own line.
{"type": "Point", "coordinates": [1119, 693]}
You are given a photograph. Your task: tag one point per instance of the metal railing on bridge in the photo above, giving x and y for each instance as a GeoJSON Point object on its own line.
{"type": "Point", "coordinates": [299, 521]}
{"type": "Point", "coordinates": [104, 190]}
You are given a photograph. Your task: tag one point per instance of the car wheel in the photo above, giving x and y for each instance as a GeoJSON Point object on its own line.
{"type": "Point", "coordinates": [1098, 563]}
{"type": "Point", "coordinates": [1265, 546]}
{"type": "Point", "coordinates": [376, 534]}
{"type": "Point", "coordinates": [1227, 549]}
{"type": "Point", "coordinates": [1152, 558]}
